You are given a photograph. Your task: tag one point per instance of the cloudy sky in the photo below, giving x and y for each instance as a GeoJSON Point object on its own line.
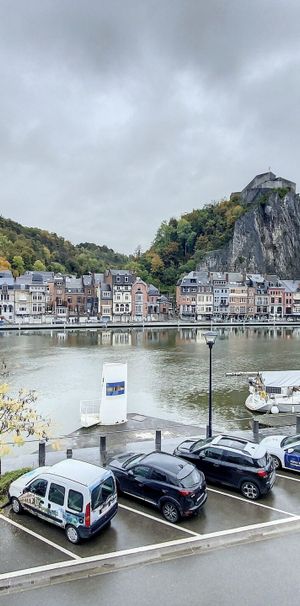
{"type": "Point", "coordinates": [118, 114]}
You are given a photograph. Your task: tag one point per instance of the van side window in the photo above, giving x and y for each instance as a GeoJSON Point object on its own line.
{"type": "Point", "coordinates": [75, 500]}
{"type": "Point", "coordinates": [57, 494]}
{"type": "Point", "coordinates": [38, 487]}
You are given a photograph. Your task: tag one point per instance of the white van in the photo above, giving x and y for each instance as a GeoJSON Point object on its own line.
{"type": "Point", "coordinates": [78, 496]}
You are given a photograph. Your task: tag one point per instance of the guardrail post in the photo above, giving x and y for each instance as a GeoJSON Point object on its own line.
{"type": "Point", "coordinates": [255, 428]}
{"type": "Point", "coordinates": [158, 439]}
{"type": "Point", "coordinates": [42, 454]}
{"type": "Point", "coordinates": [69, 453]}
{"type": "Point", "coordinates": [103, 451]}
{"type": "Point", "coordinates": [297, 423]}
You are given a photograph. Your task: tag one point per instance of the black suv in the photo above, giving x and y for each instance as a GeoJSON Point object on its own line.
{"type": "Point", "coordinates": [177, 488]}
{"type": "Point", "coordinates": [231, 461]}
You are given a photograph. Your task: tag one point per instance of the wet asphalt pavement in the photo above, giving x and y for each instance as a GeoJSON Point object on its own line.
{"type": "Point", "coordinates": [27, 542]}
{"type": "Point", "coordinates": [260, 573]}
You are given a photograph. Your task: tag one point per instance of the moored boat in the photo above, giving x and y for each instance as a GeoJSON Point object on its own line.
{"type": "Point", "coordinates": [274, 392]}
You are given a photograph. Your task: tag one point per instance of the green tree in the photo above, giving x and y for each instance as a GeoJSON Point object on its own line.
{"type": "Point", "coordinates": [39, 266]}
{"type": "Point", "coordinates": [18, 265]}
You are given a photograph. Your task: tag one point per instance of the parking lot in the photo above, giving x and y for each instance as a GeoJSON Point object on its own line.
{"type": "Point", "coordinates": [28, 543]}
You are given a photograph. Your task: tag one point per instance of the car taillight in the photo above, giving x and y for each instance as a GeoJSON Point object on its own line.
{"type": "Point", "coordinates": [87, 517]}
{"type": "Point", "coordinates": [262, 473]}
{"type": "Point", "coordinates": [185, 493]}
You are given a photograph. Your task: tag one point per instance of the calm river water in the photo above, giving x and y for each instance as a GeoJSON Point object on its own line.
{"type": "Point", "coordinates": [167, 369]}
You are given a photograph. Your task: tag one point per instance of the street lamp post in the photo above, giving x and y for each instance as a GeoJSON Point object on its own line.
{"type": "Point", "coordinates": [210, 338]}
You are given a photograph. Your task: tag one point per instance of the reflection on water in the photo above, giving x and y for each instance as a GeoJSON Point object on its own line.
{"type": "Point", "coordinates": [167, 368]}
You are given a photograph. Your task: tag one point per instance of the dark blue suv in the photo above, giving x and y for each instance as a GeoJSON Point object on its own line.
{"type": "Point", "coordinates": [176, 487]}
{"type": "Point", "coordinates": [232, 461]}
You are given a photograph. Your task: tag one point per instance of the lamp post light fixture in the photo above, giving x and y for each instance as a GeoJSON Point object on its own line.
{"type": "Point", "coordinates": [210, 338]}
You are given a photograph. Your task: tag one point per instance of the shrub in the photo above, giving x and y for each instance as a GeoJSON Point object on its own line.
{"type": "Point", "coordinates": [6, 480]}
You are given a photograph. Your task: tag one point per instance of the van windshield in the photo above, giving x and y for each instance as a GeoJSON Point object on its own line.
{"type": "Point", "coordinates": [102, 492]}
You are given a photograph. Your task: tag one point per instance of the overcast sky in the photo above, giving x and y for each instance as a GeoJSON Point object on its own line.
{"type": "Point", "coordinates": [118, 114]}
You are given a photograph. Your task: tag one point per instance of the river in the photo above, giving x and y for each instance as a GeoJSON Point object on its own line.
{"type": "Point", "coordinates": [167, 369]}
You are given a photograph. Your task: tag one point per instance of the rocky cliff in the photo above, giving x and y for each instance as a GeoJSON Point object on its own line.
{"type": "Point", "coordinates": [266, 238]}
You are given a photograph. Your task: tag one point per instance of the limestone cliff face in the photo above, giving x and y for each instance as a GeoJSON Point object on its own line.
{"type": "Point", "coordinates": [266, 239]}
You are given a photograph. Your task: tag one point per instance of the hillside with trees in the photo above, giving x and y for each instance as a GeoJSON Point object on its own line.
{"type": "Point", "coordinates": [178, 247]}
{"type": "Point", "coordinates": [181, 244]}
{"type": "Point", "coordinates": [30, 248]}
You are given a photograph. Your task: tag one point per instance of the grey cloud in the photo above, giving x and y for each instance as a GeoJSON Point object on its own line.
{"type": "Point", "coordinates": [117, 114]}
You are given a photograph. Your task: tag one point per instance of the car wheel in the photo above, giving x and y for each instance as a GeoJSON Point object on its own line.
{"type": "Point", "coordinates": [276, 461]}
{"type": "Point", "coordinates": [250, 490]}
{"type": "Point", "coordinates": [16, 505]}
{"type": "Point", "coordinates": [72, 534]}
{"type": "Point", "coordinates": [170, 512]}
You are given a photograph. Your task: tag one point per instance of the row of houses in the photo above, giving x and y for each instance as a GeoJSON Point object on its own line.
{"type": "Point", "coordinates": [116, 295]}
{"type": "Point", "coordinates": [203, 294]}
{"type": "Point", "coordinates": [120, 296]}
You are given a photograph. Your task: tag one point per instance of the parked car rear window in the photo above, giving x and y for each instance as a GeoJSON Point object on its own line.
{"type": "Point", "coordinates": [262, 462]}
{"type": "Point", "coordinates": [190, 480]}
{"type": "Point", "coordinates": [75, 500]}
{"type": "Point", "coordinates": [101, 492]}
{"type": "Point", "coordinates": [57, 494]}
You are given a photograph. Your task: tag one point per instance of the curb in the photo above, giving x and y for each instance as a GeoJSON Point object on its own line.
{"type": "Point", "coordinates": [96, 565]}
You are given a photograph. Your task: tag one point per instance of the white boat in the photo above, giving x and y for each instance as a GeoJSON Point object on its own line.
{"type": "Point", "coordinates": [274, 392]}
{"type": "Point", "coordinates": [111, 408]}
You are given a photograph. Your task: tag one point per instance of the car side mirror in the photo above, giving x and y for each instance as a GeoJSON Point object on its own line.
{"type": "Point", "coordinates": [130, 473]}
{"type": "Point", "coordinates": [26, 489]}
{"type": "Point", "coordinates": [201, 454]}
{"type": "Point", "coordinates": [290, 450]}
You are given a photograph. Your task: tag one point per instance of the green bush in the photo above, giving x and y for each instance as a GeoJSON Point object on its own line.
{"type": "Point", "coordinates": [6, 480]}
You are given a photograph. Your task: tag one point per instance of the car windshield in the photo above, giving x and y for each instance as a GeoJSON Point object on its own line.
{"type": "Point", "coordinates": [133, 460]}
{"type": "Point", "coordinates": [191, 479]}
{"type": "Point", "coordinates": [289, 440]}
{"type": "Point", "coordinates": [200, 443]}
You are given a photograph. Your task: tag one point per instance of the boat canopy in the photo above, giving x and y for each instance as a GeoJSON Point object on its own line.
{"type": "Point", "coordinates": [281, 378]}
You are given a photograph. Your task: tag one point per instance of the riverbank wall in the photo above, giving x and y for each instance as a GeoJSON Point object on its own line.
{"type": "Point", "coordinates": [34, 326]}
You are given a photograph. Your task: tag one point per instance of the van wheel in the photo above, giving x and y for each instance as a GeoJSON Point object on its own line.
{"type": "Point", "coordinates": [16, 505]}
{"type": "Point", "coordinates": [250, 490]}
{"type": "Point", "coordinates": [170, 512]}
{"type": "Point", "coordinates": [72, 534]}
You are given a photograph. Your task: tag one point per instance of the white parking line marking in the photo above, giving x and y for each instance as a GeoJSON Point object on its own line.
{"type": "Point", "coordinates": [147, 515]}
{"type": "Point", "coordinates": [38, 536]}
{"type": "Point", "coordinates": [279, 475]}
{"type": "Point", "coordinates": [233, 496]}
{"type": "Point", "coordinates": [145, 548]}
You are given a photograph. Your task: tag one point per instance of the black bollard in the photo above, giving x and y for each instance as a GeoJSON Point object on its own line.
{"type": "Point", "coordinates": [69, 453]}
{"type": "Point", "coordinates": [255, 428]}
{"type": "Point", "coordinates": [158, 440]}
{"type": "Point", "coordinates": [42, 454]}
{"type": "Point", "coordinates": [103, 451]}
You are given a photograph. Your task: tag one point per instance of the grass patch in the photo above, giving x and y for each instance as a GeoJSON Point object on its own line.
{"type": "Point", "coordinates": [6, 480]}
